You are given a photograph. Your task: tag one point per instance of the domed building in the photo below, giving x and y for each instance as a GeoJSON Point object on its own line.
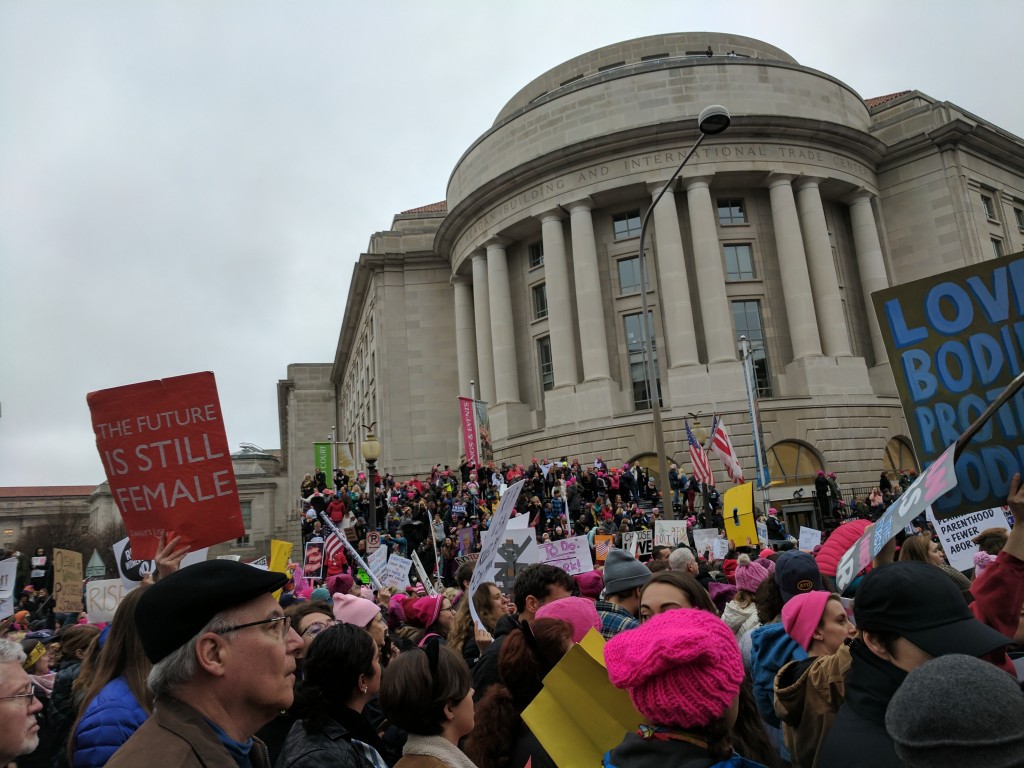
{"type": "Point", "coordinates": [527, 282]}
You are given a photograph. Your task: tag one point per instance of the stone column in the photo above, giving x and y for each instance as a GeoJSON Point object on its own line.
{"type": "Point", "coordinates": [835, 337]}
{"type": "Point", "coordinates": [871, 266]}
{"type": "Point", "coordinates": [674, 288]}
{"type": "Point", "coordinates": [482, 316]}
{"type": "Point", "coordinates": [465, 333]}
{"type": "Point", "coordinates": [560, 323]}
{"type": "Point", "coordinates": [796, 282]}
{"type": "Point", "coordinates": [503, 334]}
{"type": "Point", "coordinates": [589, 303]}
{"type": "Point", "coordinates": [707, 255]}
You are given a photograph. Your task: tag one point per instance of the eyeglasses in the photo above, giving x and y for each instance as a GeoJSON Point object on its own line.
{"type": "Point", "coordinates": [28, 696]}
{"type": "Point", "coordinates": [317, 627]}
{"type": "Point", "coordinates": [283, 624]}
{"type": "Point", "coordinates": [450, 608]}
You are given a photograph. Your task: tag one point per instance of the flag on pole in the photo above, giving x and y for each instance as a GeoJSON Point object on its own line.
{"type": "Point", "coordinates": [722, 446]}
{"type": "Point", "coordinates": [699, 459]}
{"type": "Point", "coordinates": [333, 545]}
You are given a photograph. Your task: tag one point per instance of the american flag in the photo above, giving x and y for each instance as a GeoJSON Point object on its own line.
{"type": "Point", "coordinates": [722, 446]}
{"type": "Point", "coordinates": [699, 459]}
{"type": "Point", "coordinates": [332, 545]}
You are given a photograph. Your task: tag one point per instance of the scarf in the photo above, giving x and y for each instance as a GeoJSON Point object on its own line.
{"type": "Point", "coordinates": [439, 748]}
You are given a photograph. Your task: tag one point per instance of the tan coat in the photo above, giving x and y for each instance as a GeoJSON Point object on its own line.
{"type": "Point", "coordinates": [808, 695]}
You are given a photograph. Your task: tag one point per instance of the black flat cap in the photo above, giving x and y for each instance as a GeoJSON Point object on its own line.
{"type": "Point", "coordinates": [172, 611]}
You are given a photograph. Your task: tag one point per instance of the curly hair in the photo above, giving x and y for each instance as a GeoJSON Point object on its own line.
{"type": "Point", "coordinates": [462, 627]}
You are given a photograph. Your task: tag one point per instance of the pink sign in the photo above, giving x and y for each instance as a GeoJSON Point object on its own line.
{"type": "Point", "coordinates": [469, 437]}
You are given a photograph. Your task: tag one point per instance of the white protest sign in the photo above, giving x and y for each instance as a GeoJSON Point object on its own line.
{"type": "Point", "coordinates": [102, 596]}
{"type": "Point", "coordinates": [958, 533]}
{"type": "Point", "coordinates": [262, 563]}
{"type": "Point", "coordinates": [396, 575]}
{"type": "Point", "coordinates": [704, 539]}
{"type": "Point", "coordinates": [517, 549]}
{"type": "Point", "coordinates": [518, 522]}
{"type": "Point", "coordinates": [422, 573]}
{"type": "Point", "coordinates": [8, 570]}
{"type": "Point", "coordinates": [236, 558]}
{"type": "Point", "coordinates": [669, 533]}
{"type": "Point", "coordinates": [762, 533]}
{"type": "Point", "coordinates": [809, 538]}
{"type": "Point", "coordinates": [133, 571]}
{"type": "Point", "coordinates": [378, 562]}
{"type": "Point", "coordinates": [719, 548]}
{"type": "Point", "coordinates": [639, 543]}
{"type": "Point", "coordinates": [571, 555]}
{"type": "Point", "coordinates": [485, 564]}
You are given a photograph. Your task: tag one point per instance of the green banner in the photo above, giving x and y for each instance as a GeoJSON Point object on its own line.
{"type": "Point", "coordinates": [322, 460]}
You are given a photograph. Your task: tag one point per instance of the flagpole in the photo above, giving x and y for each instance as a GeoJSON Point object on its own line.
{"type": "Point", "coordinates": [746, 354]}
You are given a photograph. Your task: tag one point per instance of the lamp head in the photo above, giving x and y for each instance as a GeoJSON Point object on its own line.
{"type": "Point", "coordinates": [370, 447]}
{"type": "Point", "coordinates": [713, 119]}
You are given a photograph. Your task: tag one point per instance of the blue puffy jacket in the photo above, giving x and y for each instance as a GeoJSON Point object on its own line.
{"type": "Point", "coordinates": [108, 722]}
{"type": "Point", "coordinates": [771, 650]}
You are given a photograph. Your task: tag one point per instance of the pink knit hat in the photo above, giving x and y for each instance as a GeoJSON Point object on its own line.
{"type": "Point", "coordinates": [423, 611]}
{"type": "Point", "coordinates": [750, 573]}
{"type": "Point", "coordinates": [590, 583]}
{"type": "Point", "coordinates": [350, 609]}
{"type": "Point", "coordinates": [578, 612]}
{"type": "Point", "coordinates": [982, 560]}
{"type": "Point", "coordinates": [802, 615]}
{"type": "Point", "coordinates": [682, 668]}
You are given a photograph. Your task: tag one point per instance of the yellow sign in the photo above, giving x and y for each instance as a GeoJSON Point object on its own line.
{"type": "Point", "coordinates": [579, 715]}
{"type": "Point", "coordinates": [67, 581]}
{"type": "Point", "coordinates": [280, 554]}
{"type": "Point", "coordinates": [738, 512]}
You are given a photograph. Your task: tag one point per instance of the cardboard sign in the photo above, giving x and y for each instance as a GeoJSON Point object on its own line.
{"type": "Point", "coordinates": [669, 533]}
{"type": "Point", "coordinates": [102, 596]}
{"type": "Point", "coordinates": [809, 538]}
{"type": "Point", "coordinates": [133, 571]}
{"type": "Point", "coordinates": [719, 548]}
{"type": "Point", "coordinates": [67, 581]}
{"type": "Point", "coordinates": [8, 572]}
{"type": "Point", "coordinates": [603, 544]}
{"type": "Point", "coordinates": [396, 574]}
{"type": "Point", "coordinates": [422, 573]}
{"type": "Point", "coordinates": [762, 534]}
{"type": "Point", "coordinates": [470, 558]}
{"type": "Point", "coordinates": [166, 457]}
{"type": "Point", "coordinates": [378, 562]}
{"type": "Point", "coordinates": [957, 533]}
{"type": "Point", "coordinates": [704, 539]}
{"type": "Point", "coordinates": [350, 534]}
{"type": "Point", "coordinates": [571, 555]}
{"type": "Point", "coordinates": [643, 541]}
{"type": "Point", "coordinates": [485, 565]}
{"type": "Point", "coordinates": [313, 562]}
{"type": "Point", "coordinates": [738, 514]}
{"type": "Point", "coordinates": [954, 341]}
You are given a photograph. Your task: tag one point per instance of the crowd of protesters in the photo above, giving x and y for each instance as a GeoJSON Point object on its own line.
{"type": "Point", "coordinates": [750, 659]}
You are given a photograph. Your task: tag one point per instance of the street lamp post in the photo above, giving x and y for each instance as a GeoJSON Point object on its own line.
{"type": "Point", "coordinates": [711, 120]}
{"type": "Point", "coordinates": [371, 452]}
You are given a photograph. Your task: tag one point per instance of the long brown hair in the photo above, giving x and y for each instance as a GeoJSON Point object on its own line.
{"type": "Point", "coordinates": [463, 627]}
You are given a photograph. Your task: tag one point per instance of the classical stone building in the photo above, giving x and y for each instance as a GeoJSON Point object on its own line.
{"type": "Point", "coordinates": [526, 280]}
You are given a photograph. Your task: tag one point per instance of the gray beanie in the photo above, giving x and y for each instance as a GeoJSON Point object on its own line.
{"type": "Point", "coordinates": [958, 710]}
{"type": "Point", "coordinates": [623, 572]}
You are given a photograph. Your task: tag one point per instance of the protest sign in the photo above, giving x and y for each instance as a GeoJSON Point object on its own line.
{"type": "Point", "coordinates": [67, 581]}
{"type": "Point", "coordinates": [957, 533]}
{"type": "Point", "coordinates": [485, 565]}
{"type": "Point", "coordinates": [517, 549]}
{"type": "Point", "coordinates": [102, 596]}
{"type": "Point", "coordinates": [166, 457]}
{"type": "Point", "coordinates": [669, 533]}
{"type": "Point", "coordinates": [954, 342]}
{"type": "Point", "coordinates": [38, 567]}
{"type": "Point", "coordinates": [236, 558]}
{"type": "Point", "coordinates": [571, 555]}
{"type": "Point", "coordinates": [396, 573]}
{"type": "Point", "coordinates": [280, 554]}
{"type": "Point", "coordinates": [518, 522]}
{"type": "Point", "coordinates": [378, 562]}
{"type": "Point", "coordinates": [8, 572]}
{"type": "Point", "coordinates": [470, 558]}
{"type": "Point", "coordinates": [260, 562]}
{"type": "Point", "coordinates": [422, 573]}
{"type": "Point", "coordinates": [313, 561]}
{"type": "Point", "coordinates": [465, 536]}
{"type": "Point", "coordinates": [704, 539]}
{"type": "Point", "coordinates": [719, 548]}
{"type": "Point", "coordinates": [809, 538]}
{"type": "Point", "coordinates": [603, 544]}
{"type": "Point", "coordinates": [643, 541]}
{"type": "Point", "coordinates": [133, 571]}
{"type": "Point", "coordinates": [738, 515]}
{"type": "Point", "coordinates": [762, 534]}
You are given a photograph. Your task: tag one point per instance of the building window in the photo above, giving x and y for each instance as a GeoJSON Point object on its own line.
{"type": "Point", "coordinates": [731, 211]}
{"type": "Point", "coordinates": [1018, 214]}
{"type": "Point", "coordinates": [540, 301]}
{"type": "Point", "coordinates": [545, 364]}
{"type": "Point", "coordinates": [243, 541]}
{"type": "Point", "coordinates": [627, 225]}
{"type": "Point", "coordinates": [739, 262]}
{"type": "Point", "coordinates": [536, 255]}
{"type": "Point", "coordinates": [746, 318]}
{"type": "Point", "coordinates": [989, 207]}
{"type": "Point", "coordinates": [793, 463]}
{"type": "Point", "coordinates": [997, 247]}
{"type": "Point", "coordinates": [637, 369]}
{"type": "Point", "coordinates": [629, 276]}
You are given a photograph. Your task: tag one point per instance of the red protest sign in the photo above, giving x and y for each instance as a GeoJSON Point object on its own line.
{"type": "Point", "coordinates": [165, 453]}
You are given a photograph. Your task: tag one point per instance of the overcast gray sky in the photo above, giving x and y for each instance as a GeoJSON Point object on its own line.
{"type": "Point", "coordinates": [185, 186]}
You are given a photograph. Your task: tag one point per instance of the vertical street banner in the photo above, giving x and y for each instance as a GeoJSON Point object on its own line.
{"type": "Point", "coordinates": [323, 459]}
{"type": "Point", "coordinates": [954, 342]}
{"type": "Point", "coordinates": [483, 432]}
{"type": "Point", "coordinates": [470, 444]}
{"type": "Point", "coordinates": [165, 453]}
{"type": "Point", "coordinates": [67, 581]}
{"type": "Point", "coordinates": [345, 460]}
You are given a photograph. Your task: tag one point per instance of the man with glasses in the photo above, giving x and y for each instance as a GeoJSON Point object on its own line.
{"type": "Point", "coordinates": [19, 731]}
{"type": "Point", "coordinates": [223, 658]}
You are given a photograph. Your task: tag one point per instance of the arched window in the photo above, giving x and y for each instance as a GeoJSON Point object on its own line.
{"type": "Point", "coordinates": [899, 458]}
{"type": "Point", "coordinates": [649, 461]}
{"type": "Point", "coordinates": [793, 463]}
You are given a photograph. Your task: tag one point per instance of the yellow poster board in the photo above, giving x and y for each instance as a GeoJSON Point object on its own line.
{"type": "Point", "coordinates": [738, 513]}
{"type": "Point", "coordinates": [67, 581]}
{"type": "Point", "coordinates": [280, 554]}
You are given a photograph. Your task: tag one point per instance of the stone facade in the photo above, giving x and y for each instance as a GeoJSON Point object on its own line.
{"type": "Point", "coordinates": [779, 229]}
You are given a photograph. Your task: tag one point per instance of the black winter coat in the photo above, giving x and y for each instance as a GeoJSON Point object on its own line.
{"type": "Point", "coordinates": [485, 673]}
